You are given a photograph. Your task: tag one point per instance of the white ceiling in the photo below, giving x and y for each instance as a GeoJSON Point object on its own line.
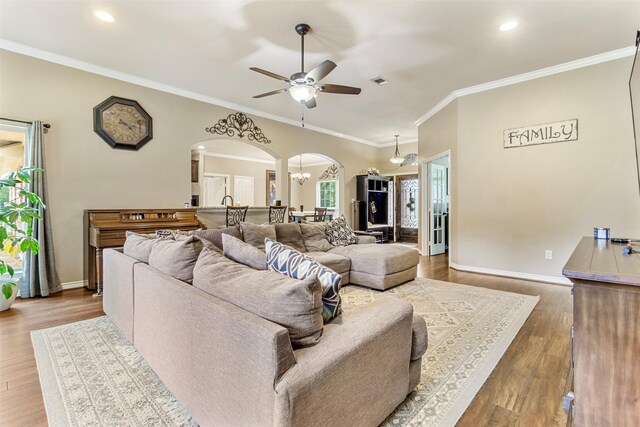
{"type": "Point", "coordinates": [426, 49]}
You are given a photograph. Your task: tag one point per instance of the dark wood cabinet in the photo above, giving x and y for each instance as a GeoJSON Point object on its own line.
{"type": "Point", "coordinates": [372, 205]}
{"type": "Point", "coordinates": [605, 346]}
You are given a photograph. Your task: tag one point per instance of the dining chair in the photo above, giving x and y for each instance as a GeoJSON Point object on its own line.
{"type": "Point", "coordinates": [277, 213]}
{"type": "Point", "coordinates": [236, 214]}
{"type": "Point", "coordinates": [319, 214]}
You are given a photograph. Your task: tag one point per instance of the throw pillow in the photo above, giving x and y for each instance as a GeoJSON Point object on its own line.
{"type": "Point", "coordinates": [339, 233]}
{"type": "Point", "coordinates": [239, 251]}
{"type": "Point", "coordinates": [176, 258]}
{"type": "Point", "coordinates": [287, 302]}
{"type": "Point", "coordinates": [314, 238]}
{"type": "Point", "coordinates": [138, 246]}
{"type": "Point", "coordinates": [290, 234]}
{"type": "Point", "coordinates": [286, 260]}
{"type": "Point", "coordinates": [214, 235]}
{"type": "Point", "coordinates": [171, 234]}
{"type": "Point", "coordinates": [254, 234]}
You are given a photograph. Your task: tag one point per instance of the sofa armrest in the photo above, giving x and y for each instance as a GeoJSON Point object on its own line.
{"type": "Point", "coordinates": [419, 337]}
{"type": "Point", "coordinates": [359, 369]}
{"type": "Point", "coordinates": [117, 301]}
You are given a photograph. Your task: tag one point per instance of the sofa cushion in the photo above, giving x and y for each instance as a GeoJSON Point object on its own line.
{"type": "Point", "coordinates": [290, 234]}
{"type": "Point", "coordinates": [379, 259]}
{"type": "Point", "coordinates": [291, 303]}
{"type": "Point", "coordinates": [214, 235]}
{"type": "Point", "coordinates": [339, 233]}
{"type": "Point", "coordinates": [338, 263]}
{"type": "Point", "coordinates": [286, 260]}
{"type": "Point", "coordinates": [254, 234]}
{"type": "Point", "coordinates": [176, 258]}
{"type": "Point", "coordinates": [239, 251]}
{"type": "Point", "coordinates": [138, 246]}
{"type": "Point", "coordinates": [314, 238]}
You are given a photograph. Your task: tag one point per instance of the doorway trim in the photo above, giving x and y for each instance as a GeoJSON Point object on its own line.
{"type": "Point", "coordinates": [425, 184]}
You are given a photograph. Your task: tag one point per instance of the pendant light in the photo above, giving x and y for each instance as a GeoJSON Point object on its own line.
{"type": "Point", "coordinates": [300, 177]}
{"type": "Point", "coordinates": [397, 158]}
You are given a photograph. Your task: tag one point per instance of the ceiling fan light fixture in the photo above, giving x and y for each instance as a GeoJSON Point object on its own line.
{"type": "Point", "coordinates": [397, 158]}
{"type": "Point", "coordinates": [302, 92]}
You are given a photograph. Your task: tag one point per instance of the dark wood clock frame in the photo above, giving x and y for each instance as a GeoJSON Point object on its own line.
{"type": "Point", "coordinates": [99, 129]}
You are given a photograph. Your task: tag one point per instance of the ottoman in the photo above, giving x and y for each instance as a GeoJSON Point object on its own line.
{"type": "Point", "coordinates": [380, 266]}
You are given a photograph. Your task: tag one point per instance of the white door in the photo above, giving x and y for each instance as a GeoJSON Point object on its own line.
{"type": "Point", "coordinates": [243, 190]}
{"type": "Point", "coordinates": [214, 189]}
{"type": "Point", "coordinates": [437, 206]}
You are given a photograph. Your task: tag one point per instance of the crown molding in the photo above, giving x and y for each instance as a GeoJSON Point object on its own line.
{"type": "Point", "coordinates": [519, 78]}
{"type": "Point", "coordinates": [152, 84]}
{"type": "Point", "coordinates": [234, 157]}
{"type": "Point", "coordinates": [253, 159]}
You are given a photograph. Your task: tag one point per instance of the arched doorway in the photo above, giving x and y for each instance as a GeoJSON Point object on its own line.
{"type": "Point", "coordinates": [317, 181]}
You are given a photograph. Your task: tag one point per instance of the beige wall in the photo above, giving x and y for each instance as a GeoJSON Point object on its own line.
{"type": "Point", "coordinates": [85, 173]}
{"type": "Point", "coordinates": [510, 205]}
{"type": "Point", "coordinates": [436, 136]}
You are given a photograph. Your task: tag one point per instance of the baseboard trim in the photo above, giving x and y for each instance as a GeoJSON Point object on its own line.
{"type": "Point", "coordinates": [74, 285]}
{"type": "Point", "coordinates": [514, 274]}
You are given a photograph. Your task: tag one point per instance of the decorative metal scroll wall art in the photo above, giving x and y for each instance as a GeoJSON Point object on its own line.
{"type": "Point", "coordinates": [240, 124]}
{"type": "Point", "coordinates": [330, 173]}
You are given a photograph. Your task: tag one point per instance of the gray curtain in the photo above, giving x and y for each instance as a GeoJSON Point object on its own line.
{"type": "Point", "coordinates": [39, 275]}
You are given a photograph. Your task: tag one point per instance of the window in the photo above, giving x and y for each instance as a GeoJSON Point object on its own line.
{"type": "Point", "coordinates": [327, 194]}
{"type": "Point", "coordinates": [12, 139]}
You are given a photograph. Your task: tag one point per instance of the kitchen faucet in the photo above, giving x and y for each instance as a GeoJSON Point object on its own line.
{"type": "Point", "coordinates": [225, 198]}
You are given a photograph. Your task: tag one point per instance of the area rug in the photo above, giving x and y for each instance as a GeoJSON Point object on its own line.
{"type": "Point", "coordinates": [469, 328]}
{"type": "Point", "coordinates": [92, 376]}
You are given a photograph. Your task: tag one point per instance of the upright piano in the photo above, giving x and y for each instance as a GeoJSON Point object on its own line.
{"type": "Point", "coordinates": [106, 228]}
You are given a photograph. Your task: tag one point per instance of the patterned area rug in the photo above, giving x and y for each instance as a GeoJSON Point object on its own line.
{"type": "Point", "coordinates": [469, 327]}
{"type": "Point", "coordinates": [92, 376]}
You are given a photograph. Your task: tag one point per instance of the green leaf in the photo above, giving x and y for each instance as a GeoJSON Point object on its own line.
{"type": "Point", "coordinates": [7, 289]}
{"type": "Point", "coordinates": [3, 268]}
{"type": "Point", "coordinates": [10, 270]}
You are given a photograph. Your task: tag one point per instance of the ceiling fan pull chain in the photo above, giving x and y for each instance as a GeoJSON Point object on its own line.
{"type": "Point", "coordinates": [302, 110]}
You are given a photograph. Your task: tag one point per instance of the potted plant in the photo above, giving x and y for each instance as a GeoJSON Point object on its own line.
{"type": "Point", "coordinates": [18, 208]}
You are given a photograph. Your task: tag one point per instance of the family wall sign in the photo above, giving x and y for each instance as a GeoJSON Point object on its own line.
{"type": "Point", "coordinates": [547, 133]}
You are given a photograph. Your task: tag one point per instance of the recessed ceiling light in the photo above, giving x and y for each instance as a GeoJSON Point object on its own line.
{"type": "Point", "coordinates": [104, 16]}
{"type": "Point", "coordinates": [201, 147]}
{"type": "Point", "coordinates": [508, 26]}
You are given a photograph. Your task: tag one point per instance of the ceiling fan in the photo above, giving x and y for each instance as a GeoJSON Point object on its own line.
{"type": "Point", "coordinates": [304, 87]}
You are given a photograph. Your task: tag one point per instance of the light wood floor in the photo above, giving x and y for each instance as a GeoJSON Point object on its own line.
{"type": "Point", "coordinates": [524, 389]}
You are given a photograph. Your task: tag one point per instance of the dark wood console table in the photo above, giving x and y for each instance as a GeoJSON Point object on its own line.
{"type": "Point", "coordinates": [106, 228]}
{"type": "Point", "coordinates": [606, 334]}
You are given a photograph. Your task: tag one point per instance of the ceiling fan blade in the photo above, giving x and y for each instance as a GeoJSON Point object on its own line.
{"type": "Point", "coordinates": [321, 71]}
{"type": "Point", "coordinates": [269, 73]}
{"type": "Point", "coordinates": [311, 103]}
{"type": "Point", "coordinates": [273, 92]}
{"type": "Point", "coordinates": [344, 90]}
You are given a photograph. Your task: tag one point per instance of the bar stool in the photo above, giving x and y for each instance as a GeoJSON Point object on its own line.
{"type": "Point", "coordinates": [236, 214]}
{"type": "Point", "coordinates": [277, 213]}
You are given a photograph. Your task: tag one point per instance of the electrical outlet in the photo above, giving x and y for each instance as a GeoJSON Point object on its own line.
{"type": "Point", "coordinates": [548, 254]}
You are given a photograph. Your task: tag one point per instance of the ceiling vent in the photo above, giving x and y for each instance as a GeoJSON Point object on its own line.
{"type": "Point", "coordinates": [379, 80]}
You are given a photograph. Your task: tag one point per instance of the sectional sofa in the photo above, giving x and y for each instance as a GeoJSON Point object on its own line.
{"type": "Point", "coordinates": [246, 347]}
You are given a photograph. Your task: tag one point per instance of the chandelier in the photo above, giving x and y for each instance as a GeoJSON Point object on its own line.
{"type": "Point", "coordinates": [397, 158]}
{"type": "Point", "coordinates": [300, 177]}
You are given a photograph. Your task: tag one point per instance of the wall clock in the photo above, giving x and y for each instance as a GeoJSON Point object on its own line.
{"type": "Point", "coordinates": [122, 123]}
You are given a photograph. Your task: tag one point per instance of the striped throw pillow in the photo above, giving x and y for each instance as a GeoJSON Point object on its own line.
{"type": "Point", "coordinates": [288, 261]}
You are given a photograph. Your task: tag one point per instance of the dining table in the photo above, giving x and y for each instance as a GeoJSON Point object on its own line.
{"type": "Point", "coordinates": [305, 215]}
